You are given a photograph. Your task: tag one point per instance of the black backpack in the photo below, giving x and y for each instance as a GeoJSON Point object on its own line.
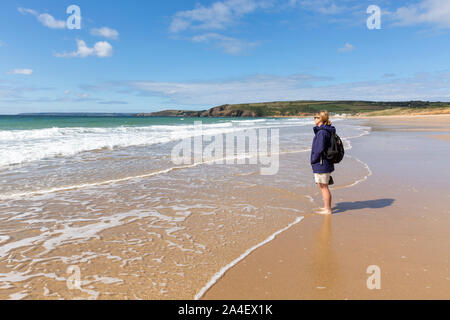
{"type": "Point", "coordinates": [335, 152]}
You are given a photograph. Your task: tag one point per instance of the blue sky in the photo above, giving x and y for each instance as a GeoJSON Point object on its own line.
{"type": "Point", "coordinates": [143, 56]}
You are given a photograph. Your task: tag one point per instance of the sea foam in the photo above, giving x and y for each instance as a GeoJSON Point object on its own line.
{"type": "Point", "coordinates": [21, 146]}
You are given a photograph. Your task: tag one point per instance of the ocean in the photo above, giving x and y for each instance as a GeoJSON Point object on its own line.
{"type": "Point", "coordinates": [96, 208]}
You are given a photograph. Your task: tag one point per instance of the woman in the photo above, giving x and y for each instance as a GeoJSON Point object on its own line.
{"type": "Point", "coordinates": [321, 167]}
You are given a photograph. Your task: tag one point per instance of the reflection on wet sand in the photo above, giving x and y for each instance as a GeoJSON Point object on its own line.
{"type": "Point", "coordinates": [325, 269]}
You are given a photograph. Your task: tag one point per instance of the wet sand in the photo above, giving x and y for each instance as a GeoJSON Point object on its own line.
{"type": "Point", "coordinates": [445, 137]}
{"type": "Point", "coordinates": [136, 226]}
{"type": "Point", "coordinates": [397, 219]}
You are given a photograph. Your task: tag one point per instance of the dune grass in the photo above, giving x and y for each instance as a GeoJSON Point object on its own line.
{"type": "Point", "coordinates": [407, 111]}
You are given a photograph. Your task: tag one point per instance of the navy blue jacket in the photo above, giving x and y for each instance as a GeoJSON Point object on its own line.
{"type": "Point", "coordinates": [320, 144]}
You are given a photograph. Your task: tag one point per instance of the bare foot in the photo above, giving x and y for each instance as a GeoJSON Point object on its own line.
{"type": "Point", "coordinates": [325, 211]}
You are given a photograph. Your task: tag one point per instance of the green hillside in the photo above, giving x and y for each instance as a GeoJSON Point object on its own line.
{"type": "Point", "coordinates": [307, 108]}
{"type": "Point", "coordinates": [293, 108]}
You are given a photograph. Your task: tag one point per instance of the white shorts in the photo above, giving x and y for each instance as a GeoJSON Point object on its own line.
{"type": "Point", "coordinates": [322, 178]}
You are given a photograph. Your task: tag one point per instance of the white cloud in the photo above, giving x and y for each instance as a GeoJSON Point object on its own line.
{"type": "Point", "coordinates": [44, 18]}
{"type": "Point", "coordinates": [2, 44]}
{"type": "Point", "coordinates": [48, 21]}
{"type": "Point", "coordinates": [101, 49]}
{"type": "Point", "coordinates": [347, 48]}
{"type": "Point", "coordinates": [262, 88]}
{"type": "Point", "coordinates": [25, 72]}
{"type": "Point", "coordinates": [29, 11]}
{"type": "Point", "coordinates": [433, 12]}
{"type": "Point", "coordinates": [112, 102]}
{"type": "Point", "coordinates": [227, 44]}
{"type": "Point", "coordinates": [218, 15]}
{"type": "Point", "coordinates": [82, 52]}
{"type": "Point", "coordinates": [328, 7]}
{"type": "Point", "coordinates": [106, 33]}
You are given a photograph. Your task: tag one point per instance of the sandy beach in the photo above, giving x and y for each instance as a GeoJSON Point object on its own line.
{"type": "Point", "coordinates": [397, 219]}
{"type": "Point", "coordinates": [137, 226]}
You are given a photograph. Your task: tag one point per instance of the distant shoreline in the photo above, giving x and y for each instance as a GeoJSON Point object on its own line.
{"type": "Point", "coordinates": [73, 114]}
{"type": "Point", "coordinates": [283, 109]}
{"type": "Point", "coordinates": [412, 113]}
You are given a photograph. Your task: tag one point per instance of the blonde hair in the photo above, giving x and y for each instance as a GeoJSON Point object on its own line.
{"type": "Point", "coordinates": [324, 117]}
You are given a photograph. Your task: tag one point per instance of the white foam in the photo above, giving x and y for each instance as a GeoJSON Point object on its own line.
{"type": "Point", "coordinates": [146, 175]}
{"type": "Point", "coordinates": [222, 271]}
{"type": "Point", "coordinates": [107, 280]}
{"type": "Point", "coordinates": [250, 120]}
{"type": "Point", "coordinates": [4, 239]}
{"type": "Point", "coordinates": [365, 131]}
{"type": "Point", "coordinates": [18, 295]}
{"type": "Point", "coordinates": [54, 238]}
{"type": "Point", "coordinates": [21, 146]}
{"type": "Point", "coordinates": [366, 166]}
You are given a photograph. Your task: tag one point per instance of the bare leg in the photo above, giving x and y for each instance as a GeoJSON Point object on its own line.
{"type": "Point", "coordinates": [326, 195]}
